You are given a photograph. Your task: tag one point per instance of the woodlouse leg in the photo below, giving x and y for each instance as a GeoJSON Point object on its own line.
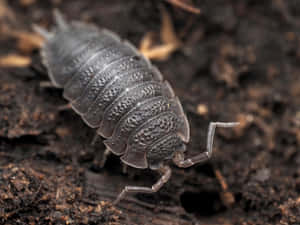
{"type": "Point", "coordinates": [124, 169]}
{"type": "Point", "coordinates": [47, 84]}
{"type": "Point", "coordinates": [204, 156]}
{"type": "Point", "coordinates": [106, 153]}
{"type": "Point", "coordinates": [166, 174]}
{"type": "Point", "coordinates": [95, 139]}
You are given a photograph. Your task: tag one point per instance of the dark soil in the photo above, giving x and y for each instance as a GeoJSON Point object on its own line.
{"type": "Point", "coordinates": [241, 59]}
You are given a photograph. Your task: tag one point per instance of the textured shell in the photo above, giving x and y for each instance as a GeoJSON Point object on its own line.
{"type": "Point", "coordinates": [116, 90]}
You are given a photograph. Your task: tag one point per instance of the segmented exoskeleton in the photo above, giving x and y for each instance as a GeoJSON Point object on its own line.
{"type": "Point", "coordinates": [120, 93]}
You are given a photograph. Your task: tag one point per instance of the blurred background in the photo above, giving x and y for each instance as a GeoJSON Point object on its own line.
{"type": "Point", "coordinates": [227, 60]}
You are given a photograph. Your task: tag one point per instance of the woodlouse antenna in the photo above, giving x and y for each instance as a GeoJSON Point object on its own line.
{"type": "Point", "coordinates": [165, 172]}
{"type": "Point", "coordinates": [204, 156]}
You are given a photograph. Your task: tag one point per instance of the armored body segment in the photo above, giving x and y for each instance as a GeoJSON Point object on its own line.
{"type": "Point", "coordinates": [185, 129]}
{"type": "Point", "coordinates": [161, 126]}
{"type": "Point", "coordinates": [97, 62]}
{"type": "Point", "coordinates": [111, 115]}
{"type": "Point", "coordinates": [135, 94]}
{"type": "Point", "coordinates": [148, 133]}
{"type": "Point", "coordinates": [82, 54]}
{"type": "Point", "coordinates": [129, 98]}
{"type": "Point", "coordinates": [54, 53]}
{"type": "Point", "coordinates": [103, 78]}
{"type": "Point", "coordinates": [164, 149]}
{"type": "Point", "coordinates": [134, 119]}
{"type": "Point", "coordinates": [115, 87]}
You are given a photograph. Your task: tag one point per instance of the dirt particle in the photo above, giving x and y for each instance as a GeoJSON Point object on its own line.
{"type": "Point", "coordinates": [202, 109]}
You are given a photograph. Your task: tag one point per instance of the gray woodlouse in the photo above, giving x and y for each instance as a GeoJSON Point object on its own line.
{"type": "Point", "coordinates": [119, 92]}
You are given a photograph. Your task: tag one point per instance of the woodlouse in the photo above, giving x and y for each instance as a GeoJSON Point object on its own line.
{"type": "Point", "coordinates": [119, 92]}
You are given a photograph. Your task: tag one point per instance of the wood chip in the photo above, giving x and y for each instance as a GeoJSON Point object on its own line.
{"type": "Point", "coordinates": [13, 60]}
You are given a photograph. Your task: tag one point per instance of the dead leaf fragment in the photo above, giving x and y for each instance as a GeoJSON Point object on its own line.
{"type": "Point", "coordinates": [27, 42]}
{"type": "Point", "coordinates": [168, 36]}
{"type": "Point", "coordinates": [146, 42]}
{"type": "Point", "coordinates": [27, 2]}
{"type": "Point", "coordinates": [161, 52]}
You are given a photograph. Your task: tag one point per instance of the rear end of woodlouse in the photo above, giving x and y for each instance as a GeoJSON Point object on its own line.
{"type": "Point", "coordinates": [120, 93]}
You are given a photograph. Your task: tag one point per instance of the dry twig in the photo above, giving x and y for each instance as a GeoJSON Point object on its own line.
{"type": "Point", "coordinates": [183, 5]}
{"type": "Point", "coordinates": [226, 196]}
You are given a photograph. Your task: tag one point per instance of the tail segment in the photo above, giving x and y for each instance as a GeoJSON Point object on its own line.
{"type": "Point", "coordinates": [59, 20]}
